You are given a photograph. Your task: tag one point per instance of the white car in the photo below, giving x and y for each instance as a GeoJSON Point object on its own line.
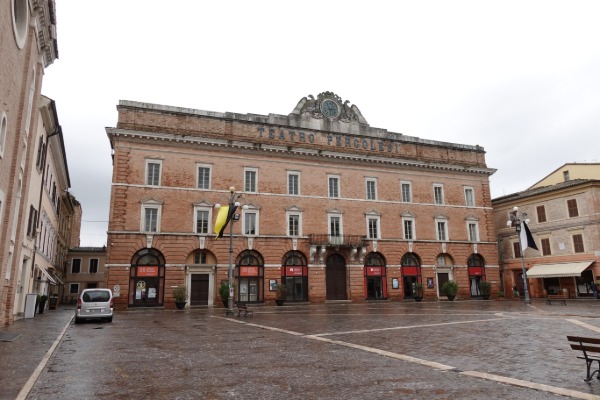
{"type": "Point", "coordinates": [94, 304]}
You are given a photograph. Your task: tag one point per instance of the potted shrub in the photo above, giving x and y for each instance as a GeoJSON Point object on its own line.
{"type": "Point", "coordinates": [224, 293]}
{"type": "Point", "coordinates": [450, 288]}
{"type": "Point", "coordinates": [281, 294]}
{"type": "Point", "coordinates": [41, 302]}
{"type": "Point", "coordinates": [485, 288]}
{"type": "Point", "coordinates": [180, 295]}
{"type": "Point", "coordinates": [417, 289]}
{"type": "Point", "coordinates": [501, 295]}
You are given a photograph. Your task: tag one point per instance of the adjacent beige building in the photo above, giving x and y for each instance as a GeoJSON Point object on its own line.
{"type": "Point", "coordinates": [564, 217]}
{"type": "Point", "coordinates": [85, 269]}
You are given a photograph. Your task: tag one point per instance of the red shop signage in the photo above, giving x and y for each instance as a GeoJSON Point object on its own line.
{"type": "Point", "coordinates": [476, 271]}
{"type": "Point", "coordinates": [373, 271]}
{"type": "Point", "coordinates": [294, 271]}
{"type": "Point", "coordinates": [147, 271]}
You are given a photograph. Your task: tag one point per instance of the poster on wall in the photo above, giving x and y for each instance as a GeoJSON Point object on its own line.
{"type": "Point", "coordinates": [430, 283]}
{"type": "Point", "coordinates": [152, 293]}
{"type": "Point", "coordinates": [395, 283]}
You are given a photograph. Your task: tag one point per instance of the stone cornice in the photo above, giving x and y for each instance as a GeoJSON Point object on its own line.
{"type": "Point", "coordinates": [296, 150]}
{"type": "Point", "coordinates": [296, 121]}
{"type": "Point", "coordinates": [46, 31]}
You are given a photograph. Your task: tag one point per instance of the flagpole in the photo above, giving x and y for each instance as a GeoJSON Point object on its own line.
{"type": "Point", "coordinates": [514, 219]}
{"type": "Point", "coordinates": [229, 217]}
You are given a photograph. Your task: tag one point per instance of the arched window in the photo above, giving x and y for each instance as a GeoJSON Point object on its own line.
{"type": "Point", "coordinates": [476, 266]}
{"type": "Point", "coordinates": [375, 277]}
{"type": "Point", "coordinates": [250, 277]}
{"type": "Point", "coordinates": [294, 275]}
{"type": "Point", "coordinates": [411, 272]}
{"type": "Point", "coordinates": [147, 279]}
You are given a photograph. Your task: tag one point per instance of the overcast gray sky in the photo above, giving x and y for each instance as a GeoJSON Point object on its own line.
{"type": "Point", "coordinates": [520, 78]}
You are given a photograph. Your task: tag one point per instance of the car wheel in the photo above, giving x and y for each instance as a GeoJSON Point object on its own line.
{"type": "Point", "coordinates": [109, 319]}
{"type": "Point", "coordinates": [77, 320]}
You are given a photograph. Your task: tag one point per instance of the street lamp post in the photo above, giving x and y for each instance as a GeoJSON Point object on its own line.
{"type": "Point", "coordinates": [514, 219]}
{"type": "Point", "coordinates": [233, 205]}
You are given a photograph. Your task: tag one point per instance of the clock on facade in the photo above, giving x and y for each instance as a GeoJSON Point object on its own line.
{"type": "Point", "coordinates": [329, 108]}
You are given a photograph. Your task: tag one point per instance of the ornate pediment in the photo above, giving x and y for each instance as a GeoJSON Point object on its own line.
{"type": "Point", "coordinates": [328, 105]}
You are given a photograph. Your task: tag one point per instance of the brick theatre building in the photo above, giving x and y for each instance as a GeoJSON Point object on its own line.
{"type": "Point", "coordinates": [335, 209]}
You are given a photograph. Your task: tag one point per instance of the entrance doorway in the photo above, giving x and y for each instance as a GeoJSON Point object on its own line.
{"type": "Point", "coordinates": [442, 278]}
{"type": "Point", "coordinates": [335, 277]}
{"type": "Point", "coordinates": [199, 290]}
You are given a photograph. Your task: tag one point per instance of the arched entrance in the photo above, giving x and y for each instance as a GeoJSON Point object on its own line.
{"type": "Point", "coordinates": [147, 279]}
{"type": "Point", "coordinates": [294, 274]}
{"type": "Point", "coordinates": [375, 277]}
{"type": "Point", "coordinates": [476, 273]}
{"type": "Point", "coordinates": [411, 273]}
{"type": "Point", "coordinates": [335, 277]}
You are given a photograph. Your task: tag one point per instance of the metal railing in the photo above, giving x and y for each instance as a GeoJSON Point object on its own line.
{"type": "Point", "coordinates": [336, 240]}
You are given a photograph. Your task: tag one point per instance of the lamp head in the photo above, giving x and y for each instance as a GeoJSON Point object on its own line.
{"type": "Point", "coordinates": [509, 223]}
{"type": "Point", "coordinates": [237, 204]}
{"type": "Point", "coordinates": [515, 208]}
{"type": "Point", "coordinates": [232, 190]}
{"type": "Point", "coordinates": [218, 205]}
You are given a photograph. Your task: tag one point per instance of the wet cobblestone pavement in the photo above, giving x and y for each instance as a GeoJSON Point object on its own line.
{"type": "Point", "coordinates": [382, 350]}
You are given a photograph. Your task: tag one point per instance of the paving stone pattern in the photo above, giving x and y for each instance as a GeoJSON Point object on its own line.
{"type": "Point", "coordinates": [331, 351]}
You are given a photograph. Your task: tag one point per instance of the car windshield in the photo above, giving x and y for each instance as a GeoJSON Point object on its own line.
{"type": "Point", "coordinates": [96, 295]}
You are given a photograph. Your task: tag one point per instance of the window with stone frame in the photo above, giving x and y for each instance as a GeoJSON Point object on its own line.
{"type": "Point", "coordinates": [293, 225]}
{"type": "Point", "coordinates": [373, 227]}
{"type": "Point", "coordinates": [76, 266]}
{"type": "Point", "coordinates": [441, 230]}
{"type": "Point", "coordinates": [93, 266]}
{"type": "Point", "coordinates": [469, 197]}
{"type": "Point", "coordinates": [541, 214]}
{"type": "Point", "coordinates": [517, 249]}
{"type": "Point", "coordinates": [371, 188]}
{"type": "Point", "coordinates": [409, 228]}
{"type": "Point", "coordinates": [204, 176]}
{"type": "Point", "coordinates": [153, 168]}
{"type": "Point", "coordinates": [406, 190]}
{"type": "Point", "coordinates": [293, 183]}
{"type": "Point", "coordinates": [202, 221]}
{"type": "Point", "coordinates": [578, 243]}
{"type": "Point", "coordinates": [334, 186]}
{"type": "Point", "coordinates": [438, 194]}
{"type": "Point", "coordinates": [251, 180]}
{"type": "Point", "coordinates": [546, 251]}
{"type": "Point", "coordinates": [572, 207]}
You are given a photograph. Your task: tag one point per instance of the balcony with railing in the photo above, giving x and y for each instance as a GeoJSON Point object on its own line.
{"type": "Point", "coordinates": [336, 240]}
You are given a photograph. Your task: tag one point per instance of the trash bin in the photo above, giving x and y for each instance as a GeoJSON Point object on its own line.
{"type": "Point", "coordinates": [30, 300]}
{"type": "Point", "coordinates": [53, 301]}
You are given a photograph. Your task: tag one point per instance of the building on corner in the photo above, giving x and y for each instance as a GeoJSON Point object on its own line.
{"type": "Point", "coordinates": [333, 208]}
{"type": "Point", "coordinates": [564, 213]}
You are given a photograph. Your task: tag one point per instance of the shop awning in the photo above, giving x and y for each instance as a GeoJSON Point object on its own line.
{"type": "Point", "coordinates": [558, 270]}
{"type": "Point", "coordinates": [47, 275]}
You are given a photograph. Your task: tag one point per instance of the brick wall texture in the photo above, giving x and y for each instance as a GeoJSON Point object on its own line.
{"type": "Point", "coordinates": [180, 141]}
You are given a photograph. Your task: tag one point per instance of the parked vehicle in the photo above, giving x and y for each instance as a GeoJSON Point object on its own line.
{"type": "Point", "coordinates": [94, 304]}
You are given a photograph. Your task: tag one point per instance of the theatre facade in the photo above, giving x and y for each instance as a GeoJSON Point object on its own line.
{"type": "Point", "coordinates": [329, 206]}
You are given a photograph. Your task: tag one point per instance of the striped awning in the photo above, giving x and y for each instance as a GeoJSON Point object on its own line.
{"type": "Point", "coordinates": [49, 278]}
{"type": "Point", "coordinates": [558, 270]}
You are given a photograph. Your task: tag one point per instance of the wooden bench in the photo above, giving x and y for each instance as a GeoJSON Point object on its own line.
{"type": "Point", "coordinates": [587, 345]}
{"type": "Point", "coordinates": [562, 297]}
{"type": "Point", "coordinates": [243, 308]}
